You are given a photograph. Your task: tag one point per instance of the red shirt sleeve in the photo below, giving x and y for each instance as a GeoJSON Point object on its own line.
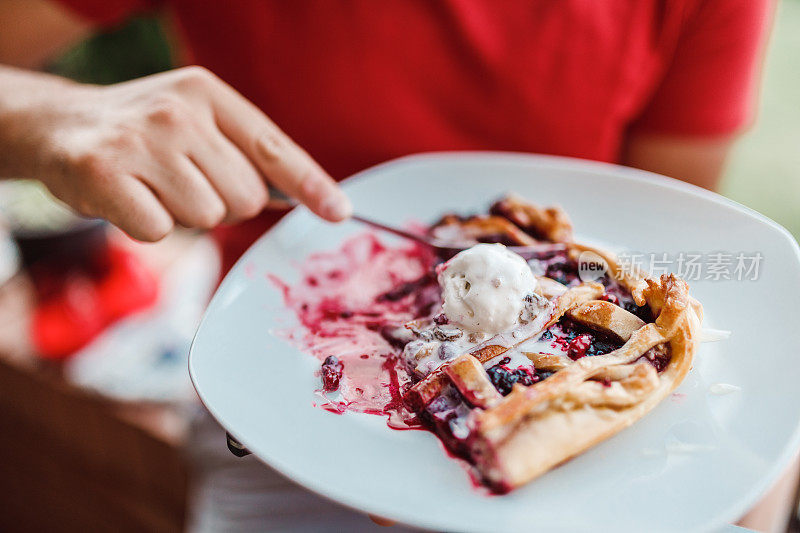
{"type": "Point", "coordinates": [709, 86]}
{"type": "Point", "coordinates": [108, 12]}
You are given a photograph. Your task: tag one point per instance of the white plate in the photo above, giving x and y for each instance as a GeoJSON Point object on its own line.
{"type": "Point", "coordinates": [261, 388]}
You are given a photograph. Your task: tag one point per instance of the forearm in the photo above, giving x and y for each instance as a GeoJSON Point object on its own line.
{"type": "Point", "coordinates": [700, 161]}
{"type": "Point", "coordinates": [36, 31]}
{"type": "Point", "coordinates": [29, 108]}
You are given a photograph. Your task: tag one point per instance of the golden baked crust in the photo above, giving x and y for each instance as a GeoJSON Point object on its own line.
{"type": "Point", "coordinates": [480, 228]}
{"type": "Point", "coordinates": [547, 223]}
{"type": "Point", "coordinates": [516, 438]}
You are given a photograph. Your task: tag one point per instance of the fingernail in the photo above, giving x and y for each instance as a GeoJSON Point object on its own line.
{"type": "Point", "coordinates": [337, 207]}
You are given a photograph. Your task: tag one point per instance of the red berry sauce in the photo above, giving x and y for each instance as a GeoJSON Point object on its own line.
{"type": "Point", "coordinates": [346, 302]}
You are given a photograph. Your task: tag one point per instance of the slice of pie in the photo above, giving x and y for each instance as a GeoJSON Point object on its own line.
{"type": "Point", "coordinates": [528, 361]}
{"type": "Point", "coordinates": [516, 358]}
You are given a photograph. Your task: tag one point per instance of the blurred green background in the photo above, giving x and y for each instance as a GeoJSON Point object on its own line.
{"type": "Point", "coordinates": [764, 172]}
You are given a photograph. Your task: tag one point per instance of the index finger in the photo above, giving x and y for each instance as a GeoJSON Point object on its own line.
{"type": "Point", "coordinates": [285, 164]}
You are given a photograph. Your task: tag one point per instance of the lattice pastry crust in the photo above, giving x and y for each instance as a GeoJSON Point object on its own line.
{"type": "Point", "coordinates": [516, 438]}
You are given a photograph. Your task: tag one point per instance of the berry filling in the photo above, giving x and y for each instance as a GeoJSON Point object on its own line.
{"type": "Point", "coordinates": [564, 271]}
{"type": "Point", "coordinates": [659, 356]}
{"type": "Point", "coordinates": [642, 312]}
{"type": "Point", "coordinates": [498, 238]}
{"type": "Point", "coordinates": [578, 346]}
{"type": "Point", "coordinates": [611, 298]}
{"type": "Point", "coordinates": [405, 289]}
{"type": "Point", "coordinates": [503, 377]}
{"type": "Point", "coordinates": [331, 373]}
{"type": "Point", "coordinates": [446, 416]}
{"type": "Point", "coordinates": [441, 319]}
{"type": "Point", "coordinates": [576, 340]}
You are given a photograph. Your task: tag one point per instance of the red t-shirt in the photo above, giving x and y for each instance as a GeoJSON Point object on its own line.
{"type": "Point", "coordinates": [361, 81]}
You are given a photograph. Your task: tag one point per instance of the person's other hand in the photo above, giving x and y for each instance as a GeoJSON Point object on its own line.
{"type": "Point", "coordinates": [179, 147]}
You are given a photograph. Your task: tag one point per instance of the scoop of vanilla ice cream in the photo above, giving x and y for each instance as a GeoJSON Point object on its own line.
{"type": "Point", "coordinates": [484, 287]}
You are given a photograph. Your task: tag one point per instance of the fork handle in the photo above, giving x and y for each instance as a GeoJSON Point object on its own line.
{"type": "Point", "coordinates": [390, 229]}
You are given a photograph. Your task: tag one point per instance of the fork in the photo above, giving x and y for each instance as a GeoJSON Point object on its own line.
{"type": "Point", "coordinates": [448, 249]}
{"type": "Point", "coordinates": [442, 248]}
